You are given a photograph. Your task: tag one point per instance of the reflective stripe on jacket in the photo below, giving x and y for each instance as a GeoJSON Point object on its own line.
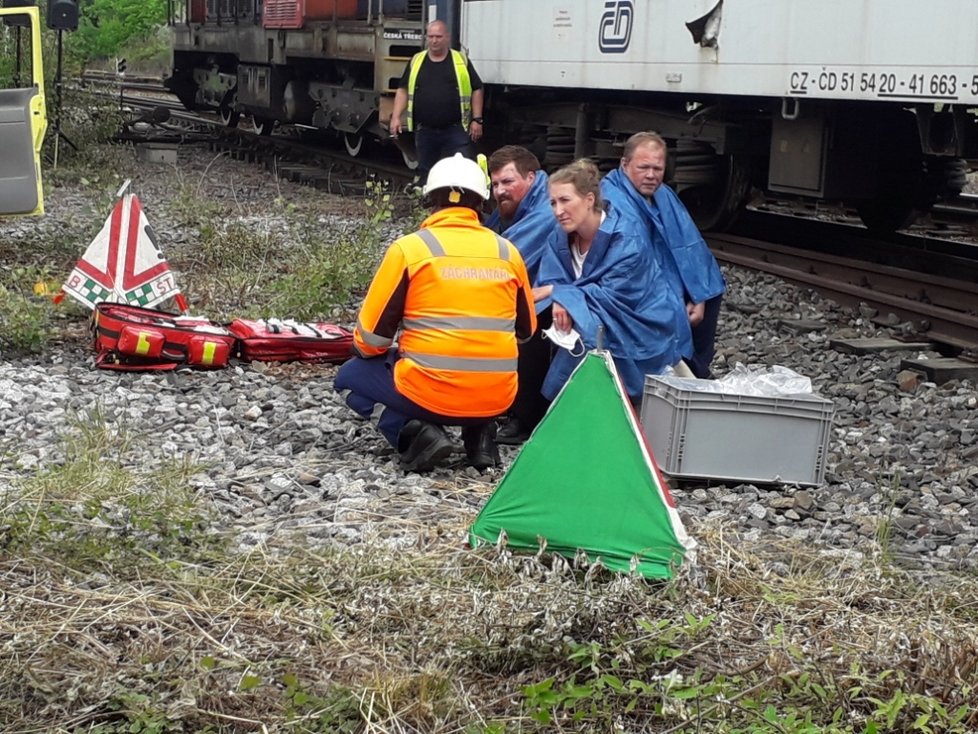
{"type": "Point", "coordinates": [461, 297]}
{"type": "Point", "coordinates": [461, 65]}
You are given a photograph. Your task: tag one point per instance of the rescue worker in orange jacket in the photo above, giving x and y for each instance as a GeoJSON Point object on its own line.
{"type": "Point", "coordinates": [456, 297]}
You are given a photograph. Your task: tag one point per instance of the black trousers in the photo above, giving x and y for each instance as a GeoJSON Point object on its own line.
{"type": "Point", "coordinates": [532, 365]}
{"type": "Point", "coordinates": [435, 143]}
{"type": "Point", "coordinates": [704, 339]}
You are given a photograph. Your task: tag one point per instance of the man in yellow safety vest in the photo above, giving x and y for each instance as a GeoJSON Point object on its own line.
{"type": "Point", "coordinates": [442, 94]}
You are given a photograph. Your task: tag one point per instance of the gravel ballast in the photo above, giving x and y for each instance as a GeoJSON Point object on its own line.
{"type": "Point", "coordinates": [281, 457]}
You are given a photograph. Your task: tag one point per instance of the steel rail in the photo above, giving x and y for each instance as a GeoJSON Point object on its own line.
{"type": "Point", "coordinates": [939, 309]}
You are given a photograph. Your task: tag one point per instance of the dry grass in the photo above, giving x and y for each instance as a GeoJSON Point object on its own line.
{"type": "Point", "coordinates": [438, 638]}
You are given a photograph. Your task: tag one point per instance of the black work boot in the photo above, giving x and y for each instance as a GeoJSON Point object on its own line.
{"type": "Point", "coordinates": [514, 433]}
{"type": "Point", "coordinates": [480, 445]}
{"type": "Point", "coordinates": [422, 445]}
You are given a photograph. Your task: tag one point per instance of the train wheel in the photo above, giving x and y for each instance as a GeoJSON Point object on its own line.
{"type": "Point", "coordinates": [262, 125]}
{"type": "Point", "coordinates": [719, 193]}
{"type": "Point", "coordinates": [887, 215]}
{"type": "Point", "coordinates": [354, 143]}
{"type": "Point", "coordinates": [903, 192]}
{"type": "Point", "coordinates": [410, 160]}
{"type": "Point", "coordinates": [229, 116]}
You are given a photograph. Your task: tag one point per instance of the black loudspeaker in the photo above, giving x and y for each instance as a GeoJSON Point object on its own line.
{"type": "Point", "coordinates": [63, 15]}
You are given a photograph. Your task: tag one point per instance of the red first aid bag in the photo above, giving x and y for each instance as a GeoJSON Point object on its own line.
{"type": "Point", "coordinates": [274, 340]}
{"type": "Point", "coordinates": [131, 338]}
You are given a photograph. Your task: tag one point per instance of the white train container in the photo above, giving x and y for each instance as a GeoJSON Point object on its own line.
{"type": "Point", "coordinates": [873, 50]}
{"type": "Point", "coordinates": [863, 101]}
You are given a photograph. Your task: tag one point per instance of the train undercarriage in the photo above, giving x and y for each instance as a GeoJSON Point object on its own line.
{"type": "Point", "coordinates": [336, 77]}
{"type": "Point", "coordinates": [889, 162]}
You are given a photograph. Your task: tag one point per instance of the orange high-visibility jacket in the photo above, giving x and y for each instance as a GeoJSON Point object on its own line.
{"type": "Point", "coordinates": [461, 297]}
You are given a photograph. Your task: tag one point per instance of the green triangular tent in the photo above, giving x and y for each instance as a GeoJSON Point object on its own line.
{"type": "Point", "coordinates": [586, 481]}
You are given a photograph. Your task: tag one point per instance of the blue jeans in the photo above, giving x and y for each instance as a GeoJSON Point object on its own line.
{"type": "Point", "coordinates": [371, 381]}
{"type": "Point", "coordinates": [435, 143]}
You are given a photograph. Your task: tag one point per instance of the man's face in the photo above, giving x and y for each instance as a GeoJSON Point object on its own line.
{"type": "Point", "coordinates": [437, 39]}
{"type": "Point", "coordinates": [509, 187]}
{"type": "Point", "coordinates": [646, 168]}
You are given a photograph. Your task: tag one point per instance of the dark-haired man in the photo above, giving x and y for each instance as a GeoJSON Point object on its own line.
{"type": "Point", "coordinates": [523, 216]}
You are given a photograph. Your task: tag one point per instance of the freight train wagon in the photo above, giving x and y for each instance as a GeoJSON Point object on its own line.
{"type": "Point", "coordinates": [863, 101]}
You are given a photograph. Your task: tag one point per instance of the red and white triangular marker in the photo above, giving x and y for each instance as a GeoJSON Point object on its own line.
{"type": "Point", "coordinates": [123, 264]}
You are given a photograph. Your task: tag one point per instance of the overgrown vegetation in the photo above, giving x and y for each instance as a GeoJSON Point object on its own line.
{"type": "Point", "coordinates": [286, 261]}
{"type": "Point", "coordinates": [93, 508]}
{"type": "Point", "coordinates": [125, 610]}
{"type": "Point", "coordinates": [108, 28]}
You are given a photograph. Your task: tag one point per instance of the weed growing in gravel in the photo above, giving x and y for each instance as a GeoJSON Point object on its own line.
{"type": "Point", "coordinates": [97, 504]}
{"type": "Point", "coordinates": [884, 523]}
{"type": "Point", "coordinates": [25, 317]}
{"type": "Point", "coordinates": [286, 261]}
{"type": "Point", "coordinates": [337, 263]}
{"type": "Point", "coordinates": [189, 207]}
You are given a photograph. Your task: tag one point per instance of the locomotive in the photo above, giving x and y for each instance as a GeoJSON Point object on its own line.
{"type": "Point", "coordinates": [868, 102]}
{"type": "Point", "coordinates": [332, 65]}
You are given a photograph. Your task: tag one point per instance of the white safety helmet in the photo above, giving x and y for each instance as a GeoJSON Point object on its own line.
{"type": "Point", "coordinates": [457, 172]}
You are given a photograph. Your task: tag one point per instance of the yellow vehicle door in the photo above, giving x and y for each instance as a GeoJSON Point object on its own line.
{"type": "Point", "coordinates": [23, 118]}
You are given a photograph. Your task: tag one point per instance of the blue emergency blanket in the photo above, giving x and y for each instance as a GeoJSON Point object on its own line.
{"type": "Point", "coordinates": [686, 258]}
{"type": "Point", "coordinates": [620, 289]}
{"type": "Point", "coordinates": [531, 226]}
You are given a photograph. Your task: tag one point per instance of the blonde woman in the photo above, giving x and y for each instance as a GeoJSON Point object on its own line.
{"type": "Point", "coordinates": [598, 274]}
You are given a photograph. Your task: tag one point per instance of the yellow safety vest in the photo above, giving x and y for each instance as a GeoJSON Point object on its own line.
{"type": "Point", "coordinates": [461, 75]}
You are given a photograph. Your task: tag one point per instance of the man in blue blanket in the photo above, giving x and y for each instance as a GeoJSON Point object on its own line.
{"type": "Point", "coordinates": [523, 217]}
{"type": "Point", "coordinates": [636, 189]}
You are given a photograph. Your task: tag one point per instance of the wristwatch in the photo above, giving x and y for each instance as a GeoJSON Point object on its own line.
{"type": "Point", "coordinates": [477, 119]}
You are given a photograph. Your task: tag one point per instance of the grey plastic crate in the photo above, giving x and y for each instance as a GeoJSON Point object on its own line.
{"type": "Point", "coordinates": [743, 438]}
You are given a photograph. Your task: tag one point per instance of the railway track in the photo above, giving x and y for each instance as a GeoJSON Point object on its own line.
{"type": "Point", "coordinates": [295, 154]}
{"type": "Point", "coordinates": [936, 301]}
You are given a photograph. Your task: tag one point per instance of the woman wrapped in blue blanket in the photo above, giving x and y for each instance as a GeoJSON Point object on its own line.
{"type": "Point", "coordinates": [598, 274]}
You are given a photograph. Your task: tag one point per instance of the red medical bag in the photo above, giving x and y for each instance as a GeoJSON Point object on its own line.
{"type": "Point", "coordinates": [274, 340]}
{"type": "Point", "coordinates": [131, 338]}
